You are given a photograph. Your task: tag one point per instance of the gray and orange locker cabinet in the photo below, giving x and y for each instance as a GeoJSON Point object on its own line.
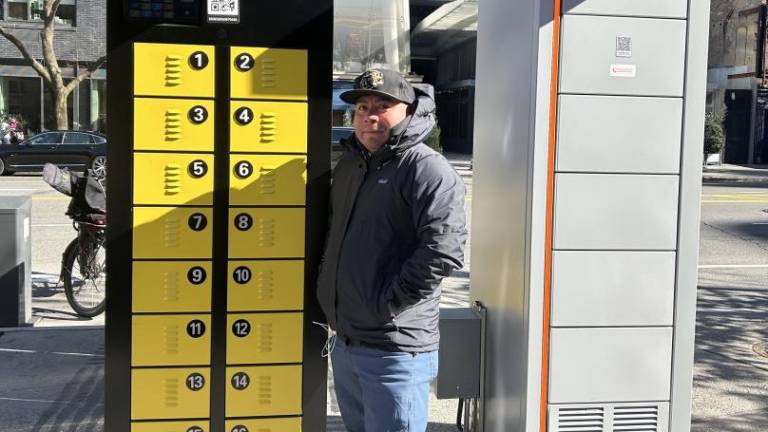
{"type": "Point", "coordinates": [219, 166]}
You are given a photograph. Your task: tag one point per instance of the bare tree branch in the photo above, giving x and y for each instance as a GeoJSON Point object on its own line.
{"type": "Point", "coordinates": [85, 74]}
{"type": "Point", "coordinates": [39, 68]}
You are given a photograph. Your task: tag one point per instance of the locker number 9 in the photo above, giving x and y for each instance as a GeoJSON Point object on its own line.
{"type": "Point", "coordinates": [239, 428]}
{"type": "Point", "coordinates": [198, 60]}
{"type": "Point", "coordinates": [243, 221]}
{"type": "Point", "coordinates": [196, 275]}
{"type": "Point", "coordinates": [240, 381]}
{"type": "Point", "coordinates": [198, 168]}
{"type": "Point", "coordinates": [195, 429]}
{"type": "Point", "coordinates": [241, 328]}
{"type": "Point", "coordinates": [198, 222]}
{"type": "Point", "coordinates": [243, 116]}
{"type": "Point", "coordinates": [242, 275]}
{"type": "Point", "coordinates": [195, 328]}
{"type": "Point", "coordinates": [244, 62]}
{"type": "Point", "coordinates": [243, 169]}
{"type": "Point", "coordinates": [198, 114]}
{"type": "Point", "coordinates": [195, 382]}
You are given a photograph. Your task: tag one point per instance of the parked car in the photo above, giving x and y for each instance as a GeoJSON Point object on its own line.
{"type": "Point", "coordinates": [337, 134]}
{"type": "Point", "coordinates": [77, 150]}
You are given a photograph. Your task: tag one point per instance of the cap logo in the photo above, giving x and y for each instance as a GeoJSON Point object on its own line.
{"type": "Point", "coordinates": [371, 79]}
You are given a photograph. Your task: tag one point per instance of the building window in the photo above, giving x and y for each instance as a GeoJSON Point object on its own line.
{"type": "Point", "coordinates": [32, 10]}
{"type": "Point", "coordinates": [18, 10]}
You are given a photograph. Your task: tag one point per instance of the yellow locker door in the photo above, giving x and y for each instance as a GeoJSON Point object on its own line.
{"type": "Point", "coordinates": [265, 338]}
{"type": "Point", "coordinates": [172, 179]}
{"type": "Point", "coordinates": [266, 232]}
{"type": "Point", "coordinates": [268, 73]}
{"type": "Point", "coordinates": [268, 127]}
{"type": "Point", "coordinates": [267, 180]}
{"type": "Point", "coordinates": [262, 391]}
{"type": "Point", "coordinates": [171, 286]}
{"type": "Point", "coordinates": [173, 124]}
{"type": "Point", "coordinates": [170, 340]}
{"type": "Point", "coordinates": [172, 426]}
{"type": "Point", "coordinates": [264, 425]}
{"type": "Point", "coordinates": [173, 393]}
{"type": "Point", "coordinates": [174, 70]}
{"type": "Point", "coordinates": [171, 232]}
{"type": "Point", "coordinates": [265, 285]}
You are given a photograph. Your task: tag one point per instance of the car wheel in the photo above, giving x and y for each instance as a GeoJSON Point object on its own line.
{"type": "Point", "coordinates": [2, 167]}
{"type": "Point", "coordinates": [99, 166]}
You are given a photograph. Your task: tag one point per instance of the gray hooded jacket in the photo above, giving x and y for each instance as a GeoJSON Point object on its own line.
{"type": "Point", "coordinates": [397, 228]}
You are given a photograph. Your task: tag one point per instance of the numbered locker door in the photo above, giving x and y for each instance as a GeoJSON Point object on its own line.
{"type": "Point", "coordinates": [172, 232]}
{"type": "Point", "coordinates": [174, 70]}
{"type": "Point", "coordinates": [265, 338]}
{"type": "Point", "coordinates": [268, 180]}
{"type": "Point", "coordinates": [268, 127]}
{"type": "Point", "coordinates": [268, 73]}
{"type": "Point", "coordinates": [263, 391]}
{"type": "Point", "coordinates": [171, 286]}
{"type": "Point", "coordinates": [170, 340]}
{"type": "Point", "coordinates": [266, 233]}
{"type": "Point", "coordinates": [172, 393]}
{"type": "Point", "coordinates": [173, 124]}
{"type": "Point", "coordinates": [173, 179]}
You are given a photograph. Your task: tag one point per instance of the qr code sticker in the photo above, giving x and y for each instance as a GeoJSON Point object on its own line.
{"type": "Point", "coordinates": [224, 7]}
{"type": "Point", "coordinates": [623, 46]}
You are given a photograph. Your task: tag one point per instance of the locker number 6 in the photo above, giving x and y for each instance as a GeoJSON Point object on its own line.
{"type": "Point", "coordinates": [243, 222]}
{"type": "Point", "coordinates": [196, 275]}
{"type": "Point", "coordinates": [197, 222]}
{"type": "Point", "coordinates": [239, 428]}
{"type": "Point", "coordinates": [244, 62]}
{"type": "Point", "coordinates": [195, 328]}
{"type": "Point", "coordinates": [243, 116]}
{"type": "Point", "coordinates": [241, 328]}
{"type": "Point", "coordinates": [243, 169]}
{"type": "Point", "coordinates": [195, 382]}
{"type": "Point", "coordinates": [240, 381]}
{"type": "Point", "coordinates": [198, 114]}
{"type": "Point", "coordinates": [198, 168]}
{"type": "Point", "coordinates": [198, 60]}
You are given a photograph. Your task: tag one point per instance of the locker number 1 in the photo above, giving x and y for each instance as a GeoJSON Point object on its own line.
{"type": "Point", "coordinates": [195, 382]}
{"type": "Point", "coordinates": [198, 60]}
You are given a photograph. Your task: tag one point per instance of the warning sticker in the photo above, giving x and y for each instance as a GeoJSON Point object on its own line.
{"type": "Point", "coordinates": [623, 70]}
{"type": "Point", "coordinates": [223, 11]}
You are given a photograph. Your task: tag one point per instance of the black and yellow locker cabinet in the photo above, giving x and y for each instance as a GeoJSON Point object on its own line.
{"type": "Point", "coordinates": [219, 171]}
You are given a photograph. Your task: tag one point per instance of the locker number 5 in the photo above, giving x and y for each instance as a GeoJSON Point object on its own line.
{"type": "Point", "coordinates": [195, 382]}
{"type": "Point", "coordinates": [198, 168]}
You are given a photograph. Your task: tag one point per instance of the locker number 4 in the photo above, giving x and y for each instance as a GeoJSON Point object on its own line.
{"type": "Point", "coordinates": [244, 116]}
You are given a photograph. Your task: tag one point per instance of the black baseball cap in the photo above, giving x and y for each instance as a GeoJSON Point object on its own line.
{"type": "Point", "coordinates": [382, 82]}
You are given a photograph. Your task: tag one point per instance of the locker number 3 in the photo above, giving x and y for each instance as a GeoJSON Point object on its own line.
{"type": "Point", "coordinates": [198, 114]}
{"type": "Point", "coordinates": [244, 62]}
{"type": "Point", "coordinates": [240, 381]}
{"type": "Point", "coordinates": [243, 169]}
{"type": "Point", "coordinates": [198, 168]}
{"type": "Point", "coordinates": [244, 116]}
{"type": "Point", "coordinates": [241, 328]}
{"type": "Point", "coordinates": [196, 275]}
{"type": "Point", "coordinates": [195, 382]}
{"type": "Point", "coordinates": [196, 328]}
{"type": "Point", "coordinates": [197, 222]}
{"type": "Point", "coordinates": [198, 60]}
{"type": "Point", "coordinates": [243, 222]}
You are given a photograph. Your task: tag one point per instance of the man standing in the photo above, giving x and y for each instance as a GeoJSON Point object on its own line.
{"type": "Point", "coordinates": [397, 228]}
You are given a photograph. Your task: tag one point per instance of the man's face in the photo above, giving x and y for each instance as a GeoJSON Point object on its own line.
{"type": "Point", "coordinates": [375, 117]}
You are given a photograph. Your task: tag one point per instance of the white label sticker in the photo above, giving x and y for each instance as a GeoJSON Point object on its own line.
{"type": "Point", "coordinates": [624, 70]}
{"type": "Point", "coordinates": [623, 46]}
{"type": "Point", "coordinates": [26, 229]}
{"type": "Point", "coordinates": [224, 11]}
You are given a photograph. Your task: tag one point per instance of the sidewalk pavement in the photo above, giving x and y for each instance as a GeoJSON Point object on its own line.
{"type": "Point", "coordinates": [727, 173]}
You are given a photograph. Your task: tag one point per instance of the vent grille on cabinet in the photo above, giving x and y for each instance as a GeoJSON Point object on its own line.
{"type": "Point", "coordinates": [629, 417]}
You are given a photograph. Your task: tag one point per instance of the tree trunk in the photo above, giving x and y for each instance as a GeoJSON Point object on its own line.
{"type": "Point", "coordinates": [61, 108]}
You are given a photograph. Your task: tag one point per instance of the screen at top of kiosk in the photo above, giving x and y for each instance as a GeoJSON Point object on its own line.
{"type": "Point", "coordinates": [167, 11]}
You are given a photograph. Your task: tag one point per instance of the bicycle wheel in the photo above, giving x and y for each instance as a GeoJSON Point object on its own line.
{"type": "Point", "coordinates": [85, 282]}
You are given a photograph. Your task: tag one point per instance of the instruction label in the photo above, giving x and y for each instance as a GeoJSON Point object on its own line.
{"type": "Point", "coordinates": [223, 11]}
{"type": "Point", "coordinates": [623, 70]}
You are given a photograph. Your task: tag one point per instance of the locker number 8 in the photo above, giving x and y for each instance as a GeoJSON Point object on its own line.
{"type": "Point", "coordinates": [196, 328]}
{"type": "Point", "coordinates": [198, 168]}
{"type": "Point", "coordinates": [198, 60]}
{"type": "Point", "coordinates": [244, 62]}
{"type": "Point", "coordinates": [240, 381]}
{"type": "Point", "coordinates": [243, 222]}
{"type": "Point", "coordinates": [195, 429]}
{"type": "Point", "coordinates": [195, 382]}
{"type": "Point", "coordinates": [196, 275]}
{"type": "Point", "coordinates": [242, 275]}
{"type": "Point", "coordinates": [243, 169]}
{"type": "Point", "coordinates": [198, 114]}
{"type": "Point", "coordinates": [239, 428]}
{"type": "Point", "coordinates": [244, 116]}
{"type": "Point", "coordinates": [198, 222]}
{"type": "Point", "coordinates": [241, 328]}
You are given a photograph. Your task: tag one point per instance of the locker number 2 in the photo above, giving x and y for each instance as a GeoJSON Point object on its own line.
{"type": "Point", "coordinates": [195, 328]}
{"type": "Point", "coordinates": [244, 62]}
{"type": "Point", "coordinates": [240, 381]}
{"type": "Point", "coordinates": [241, 328]}
{"type": "Point", "coordinates": [195, 382]}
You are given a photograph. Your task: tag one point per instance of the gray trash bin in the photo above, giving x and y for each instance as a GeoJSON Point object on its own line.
{"type": "Point", "coordinates": [15, 261]}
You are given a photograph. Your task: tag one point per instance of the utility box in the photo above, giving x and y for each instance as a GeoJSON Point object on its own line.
{"type": "Point", "coordinates": [15, 261]}
{"type": "Point", "coordinates": [458, 373]}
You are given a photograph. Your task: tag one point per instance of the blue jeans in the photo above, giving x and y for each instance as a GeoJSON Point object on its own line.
{"type": "Point", "coordinates": [382, 391]}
